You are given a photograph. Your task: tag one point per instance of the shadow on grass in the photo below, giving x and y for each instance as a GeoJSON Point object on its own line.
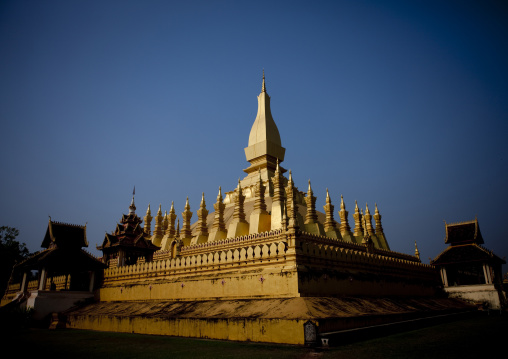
{"type": "Point", "coordinates": [476, 336]}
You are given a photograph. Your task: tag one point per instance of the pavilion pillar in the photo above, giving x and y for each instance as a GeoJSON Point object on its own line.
{"type": "Point", "coordinates": [92, 281]}
{"type": "Point", "coordinates": [121, 258]}
{"type": "Point", "coordinates": [443, 277]}
{"type": "Point", "coordinates": [42, 279]}
{"type": "Point", "coordinates": [24, 282]}
{"type": "Point", "coordinates": [486, 273]}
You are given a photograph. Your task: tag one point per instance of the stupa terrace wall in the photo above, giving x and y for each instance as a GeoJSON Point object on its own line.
{"type": "Point", "coordinates": [271, 264]}
{"type": "Point", "coordinates": [327, 269]}
{"type": "Point", "coordinates": [232, 273]}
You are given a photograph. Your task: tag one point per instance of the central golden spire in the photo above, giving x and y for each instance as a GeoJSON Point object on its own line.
{"type": "Point", "coordinates": [263, 87]}
{"type": "Point", "coordinates": [265, 146]}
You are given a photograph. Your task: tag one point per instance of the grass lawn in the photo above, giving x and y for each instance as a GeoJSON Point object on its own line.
{"type": "Point", "coordinates": [474, 337]}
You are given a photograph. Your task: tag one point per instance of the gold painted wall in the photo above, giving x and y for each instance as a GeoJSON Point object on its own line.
{"type": "Point", "coordinates": [240, 329]}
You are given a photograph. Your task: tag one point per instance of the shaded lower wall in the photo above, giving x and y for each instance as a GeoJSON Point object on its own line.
{"type": "Point", "coordinates": [276, 320]}
{"type": "Point", "coordinates": [237, 329]}
{"type": "Point", "coordinates": [350, 282]}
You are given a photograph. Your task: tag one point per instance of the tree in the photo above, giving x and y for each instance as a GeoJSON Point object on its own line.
{"type": "Point", "coordinates": [11, 252]}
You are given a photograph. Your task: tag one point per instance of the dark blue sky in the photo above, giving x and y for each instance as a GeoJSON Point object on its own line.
{"type": "Point", "coordinates": [403, 104]}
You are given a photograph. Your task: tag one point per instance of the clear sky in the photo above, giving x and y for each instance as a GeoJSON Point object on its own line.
{"type": "Point", "coordinates": [399, 103]}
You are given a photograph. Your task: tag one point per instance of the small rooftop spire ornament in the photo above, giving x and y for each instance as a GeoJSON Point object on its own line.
{"type": "Point", "coordinates": [157, 231]}
{"type": "Point", "coordinates": [172, 217]}
{"type": "Point", "coordinates": [259, 190]}
{"type": "Point", "coordinates": [148, 220]}
{"type": "Point", "coordinates": [344, 224]}
{"type": "Point", "coordinates": [377, 219]}
{"type": "Point", "coordinates": [278, 199]}
{"type": "Point", "coordinates": [202, 213]}
{"type": "Point", "coordinates": [330, 227]}
{"type": "Point", "coordinates": [201, 227]}
{"type": "Point", "coordinates": [218, 231]}
{"type": "Point", "coordinates": [238, 225]}
{"type": "Point", "coordinates": [132, 207]}
{"type": "Point", "coordinates": [358, 221]}
{"type": "Point", "coordinates": [311, 224]}
{"type": "Point", "coordinates": [290, 196]}
{"type": "Point", "coordinates": [165, 222]}
{"type": "Point", "coordinates": [368, 219]}
{"type": "Point", "coordinates": [259, 220]}
{"type": "Point", "coordinates": [186, 232]}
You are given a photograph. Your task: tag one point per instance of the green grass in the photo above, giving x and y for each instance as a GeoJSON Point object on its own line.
{"type": "Point", "coordinates": [478, 336]}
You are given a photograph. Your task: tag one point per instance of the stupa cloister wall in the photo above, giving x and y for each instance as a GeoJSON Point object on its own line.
{"type": "Point", "coordinates": [270, 265]}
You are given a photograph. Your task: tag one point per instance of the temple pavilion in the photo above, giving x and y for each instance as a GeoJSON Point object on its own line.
{"type": "Point", "coordinates": [66, 273]}
{"type": "Point", "coordinates": [469, 270]}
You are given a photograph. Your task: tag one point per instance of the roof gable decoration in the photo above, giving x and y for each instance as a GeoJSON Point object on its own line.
{"type": "Point", "coordinates": [463, 232]}
{"type": "Point", "coordinates": [64, 235]}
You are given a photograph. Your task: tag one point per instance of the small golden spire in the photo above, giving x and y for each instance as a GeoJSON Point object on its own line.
{"type": "Point", "coordinates": [219, 213]}
{"type": "Point", "coordinates": [329, 224]}
{"type": "Point", "coordinates": [219, 196]}
{"type": "Point", "coordinates": [377, 219]}
{"type": "Point", "coordinates": [368, 220]}
{"type": "Point", "coordinates": [171, 220]}
{"type": "Point", "coordinates": [148, 221]}
{"type": "Point", "coordinates": [218, 226]}
{"type": "Point", "coordinates": [202, 215]}
{"type": "Point", "coordinates": [284, 221]}
{"type": "Point", "coordinates": [158, 230]}
{"type": "Point", "coordinates": [310, 200]}
{"type": "Point", "coordinates": [165, 221]}
{"type": "Point", "coordinates": [364, 226]}
{"type": "Point", "coordinates": [417, 252]}
{"type": "Point", "coordinates": [186, 218]}
{"type": "Point", "coordinates": [358, 216]}
{"type": "Point", "coordinates": [259, 194]}
{"type": "Point", "coordinates": [344, 224]}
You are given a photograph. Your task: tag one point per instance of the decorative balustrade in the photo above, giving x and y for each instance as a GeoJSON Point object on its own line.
{"type": "Point", "coordinates": [355, 247]}
{"type": "Point", "coordinates": [229, 242]}
{"type": "Point", "coordinates": [61, 282]}
{"type": "Point", "coordinates": [359, 257]}
{"type": "Point", "coordinates": [257, 254]}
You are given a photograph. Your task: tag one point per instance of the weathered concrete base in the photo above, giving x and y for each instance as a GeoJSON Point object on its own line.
{"type": "Point", "coordinates": [480, 293]}
{"type": "Point", "coordinates": [262, 320]}
{"type": "Point", "coordinates": [45, 302]}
